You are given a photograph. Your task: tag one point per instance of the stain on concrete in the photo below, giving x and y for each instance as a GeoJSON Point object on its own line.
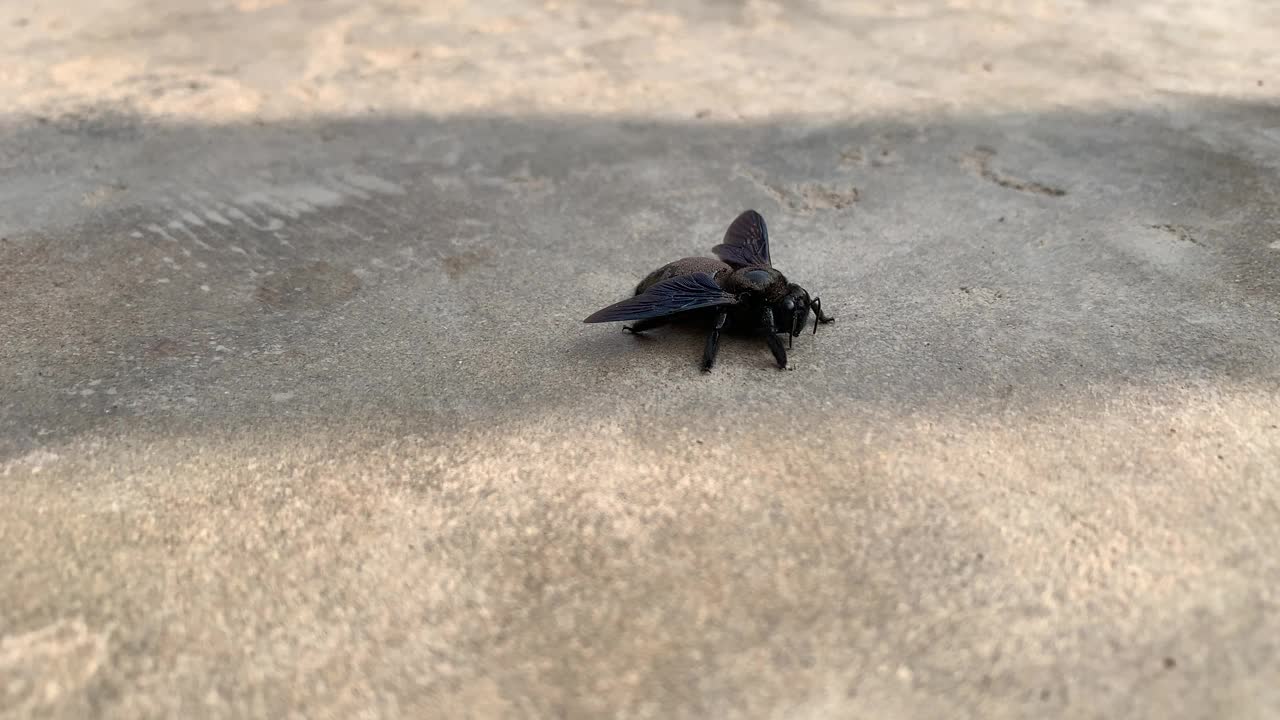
{"type": "Point", "coordinates": [459, 264]}
{"type": "Point", "coordinates": [806, 196]}
{"type": "Point", "coordinates": [1181, 232]}
{"type": "Point", "coordinates": [164, 348]}
{"type": "Point", "coordinates": [311, 286]}
{"type": "Point", "coordinates": [980, 160]}
{"type": "Point", "coordinates": [41, 667]}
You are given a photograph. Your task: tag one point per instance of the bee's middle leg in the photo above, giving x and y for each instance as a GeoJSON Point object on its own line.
{"type": "Point", "coordinates": [713, 341]}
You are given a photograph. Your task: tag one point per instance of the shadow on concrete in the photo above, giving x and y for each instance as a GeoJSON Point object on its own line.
{"type": "Point", "coordinates": [434, 269]}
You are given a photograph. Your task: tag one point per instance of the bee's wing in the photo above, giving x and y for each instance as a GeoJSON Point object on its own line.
{"type": "Point", "coordinates": [746, 242]}
{"type": "Point", "coordinates": [681, 293]}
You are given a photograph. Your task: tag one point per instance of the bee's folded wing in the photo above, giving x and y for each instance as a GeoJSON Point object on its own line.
{"type": "Point", "coordinates": [746, 242]}
{"type": "Point", "coordinates": [686, 292]}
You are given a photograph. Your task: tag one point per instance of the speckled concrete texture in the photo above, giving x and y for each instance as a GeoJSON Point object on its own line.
{"type": "Point", "coordinates": [298, 417]}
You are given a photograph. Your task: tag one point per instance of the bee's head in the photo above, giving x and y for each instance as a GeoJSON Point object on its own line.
{"type": "Point", "coordinates": [792, 311]}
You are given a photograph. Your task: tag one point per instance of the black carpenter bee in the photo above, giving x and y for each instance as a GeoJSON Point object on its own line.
{"type": "Point", "coordinates": [740, 291]}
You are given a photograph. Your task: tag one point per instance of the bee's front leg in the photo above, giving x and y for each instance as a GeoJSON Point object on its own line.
{"type": "Point", "coordinates": [823, 318]}
{"type": "Point", "coordinates": [771, 337]}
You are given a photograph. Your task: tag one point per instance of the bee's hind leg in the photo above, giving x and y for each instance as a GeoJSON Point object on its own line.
{"type": "Point", "coordinates": [713, 341]}
{"type": "Point", "coordinates": [640, 326]}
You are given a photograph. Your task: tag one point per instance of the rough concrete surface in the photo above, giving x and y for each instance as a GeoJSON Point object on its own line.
{"type": "Point", "coordinates": [298, 417]}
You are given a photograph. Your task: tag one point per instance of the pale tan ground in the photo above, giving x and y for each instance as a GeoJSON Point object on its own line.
{"type": "Point", "coordinates": [297, 414]}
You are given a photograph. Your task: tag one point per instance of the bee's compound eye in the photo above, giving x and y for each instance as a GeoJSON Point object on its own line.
{"type": "Point", "coordinates": [789, 304]}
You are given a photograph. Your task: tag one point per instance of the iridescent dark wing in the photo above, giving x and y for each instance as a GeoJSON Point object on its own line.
{"type": "Point", "coordinates": [685, 292]}
{"type": "Point", "coordinates": [746, 242]}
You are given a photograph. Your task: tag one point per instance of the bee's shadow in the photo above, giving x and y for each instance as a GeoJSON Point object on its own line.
{"type": "Point", "coordinates": [680, 342]}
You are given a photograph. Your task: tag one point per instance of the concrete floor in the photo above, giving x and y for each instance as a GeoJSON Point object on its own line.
{"type": "Point", "coordinates": [298, 417]}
